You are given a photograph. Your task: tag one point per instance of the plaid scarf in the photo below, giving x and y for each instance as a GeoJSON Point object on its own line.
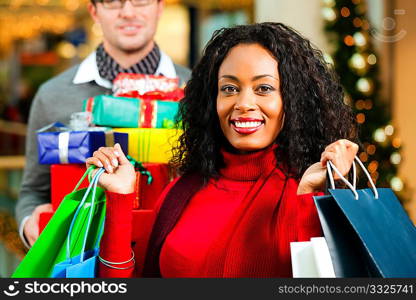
{"type": "Point", "coordinates": [109, 68]}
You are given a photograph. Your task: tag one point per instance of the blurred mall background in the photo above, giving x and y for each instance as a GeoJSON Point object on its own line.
{"type": "Point", "coordinates": [40, 38]}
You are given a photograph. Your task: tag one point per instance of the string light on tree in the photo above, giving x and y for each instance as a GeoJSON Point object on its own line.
{"type": "Point", "coordinates": [372, 166]}
{"type": "Point", "coordinates": [345, 12]}
{"type": "Point", "coordinates": [357, 22]}
{"type": "Point", "coordinates": [349, 40]}
{"type": "Point", "coordinates": [389, 130]}
{"type": "Point", "coordinates": [372, 59]}
{"type": "Point", "coordinates": [396, 184]}
{"type": "Point", "coordinates": [358, 61]}
{"type": "Point", "coordinates": [371, 149]}
{"type": "Point", "coordinates": [348, 99]}
{"type": "Point", "coordinates": [368, 104]}
{"type": "Point", "coordinates": [397, 142]}
{"type": "Point", "coordinates": [329, 14]}
{"type": "Point", "coordinates": [360, 39]}
{"type": "Point", "coordinates": [360, 118]}
{"type": "Point", "coordinates": [380, 135]}
{"type": "Point", "coordinates": [395, 158]}
{"type": "Point", "coordinates": [363, 157]}
{"type": "Point", "coordinates": [329, 3]}
{"type": "Point", "coordinates": [364, 85]}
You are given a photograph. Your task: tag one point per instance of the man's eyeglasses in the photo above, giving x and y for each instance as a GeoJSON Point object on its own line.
{"type": "Point", "coordinates": [116, 4]}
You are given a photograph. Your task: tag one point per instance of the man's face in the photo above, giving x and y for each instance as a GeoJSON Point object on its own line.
{"type": "Point", "coordinates": [128, 28]}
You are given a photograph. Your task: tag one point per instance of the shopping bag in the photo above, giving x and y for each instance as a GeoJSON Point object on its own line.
{"type": "Point", "coordinates": [367, 231]}
{"type": "Point", "coordinates": [83, 265]}
{"type": "Point", "coordinates": [50, 247]}
{"type": "Point", "coordinates": [348, 254]}
{"type": "Point", "coordinates": [311, 259]}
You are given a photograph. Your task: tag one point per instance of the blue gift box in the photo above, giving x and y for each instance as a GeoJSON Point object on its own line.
{"type": "Point", "coordinates": [61, 146]}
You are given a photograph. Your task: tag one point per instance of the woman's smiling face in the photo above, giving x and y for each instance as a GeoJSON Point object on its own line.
{"type": "Point", "coordinates": [249, 103]}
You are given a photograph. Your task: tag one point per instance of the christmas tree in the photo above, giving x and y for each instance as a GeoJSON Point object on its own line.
{"type": "Point", "coordinates": [356, 62]}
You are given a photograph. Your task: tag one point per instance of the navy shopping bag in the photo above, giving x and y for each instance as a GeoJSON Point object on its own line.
{"type": "Point", "coordinates": [83, 265]}
{"type": "Point", "coordinates": [367, 231]}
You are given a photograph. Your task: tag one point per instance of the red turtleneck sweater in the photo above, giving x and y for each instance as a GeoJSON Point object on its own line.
{"type": "Point", "coordinates": [239, 225]}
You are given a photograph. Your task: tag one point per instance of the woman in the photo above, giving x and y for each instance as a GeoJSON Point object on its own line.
{"type": "Point", "coordinates": [262, 115]}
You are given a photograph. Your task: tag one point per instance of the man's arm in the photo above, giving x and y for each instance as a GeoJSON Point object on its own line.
{"type": "Point", "coordinates": [35, 188]}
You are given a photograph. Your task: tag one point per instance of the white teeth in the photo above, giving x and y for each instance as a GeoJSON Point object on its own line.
{"type": "Point", "coordinates": [247, 124]}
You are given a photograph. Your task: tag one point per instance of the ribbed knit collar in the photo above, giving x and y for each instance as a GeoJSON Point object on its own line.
{"type": "Point", "coordinates": [248, 167]}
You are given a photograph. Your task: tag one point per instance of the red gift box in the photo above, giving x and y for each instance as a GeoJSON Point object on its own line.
{"type": "Point", "coordinates": [44, 219]}
{"type": "Point", "coordinates": [65, 177]}
{"type": "Point", "coordinates": [162, 174]}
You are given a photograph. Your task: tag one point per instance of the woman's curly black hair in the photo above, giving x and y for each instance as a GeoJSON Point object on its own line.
{"type": "Point", "coordinates": [315, 114]}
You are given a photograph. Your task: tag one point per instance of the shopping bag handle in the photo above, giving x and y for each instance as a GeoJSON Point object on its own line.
{"type": "Point", "coordinates": [92, 185]}
{"type": "Point", "coordinates": [330, 166]}
{"type": "Point", "coordinates": [87, 172]}
{"type": "Point", "coordinates": [94, 190]}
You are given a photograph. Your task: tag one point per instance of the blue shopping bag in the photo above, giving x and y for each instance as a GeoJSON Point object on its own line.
{"type": "Point", "coordinates": [368, 232]}
{"type": "Point", "coordinates": [83, 265]}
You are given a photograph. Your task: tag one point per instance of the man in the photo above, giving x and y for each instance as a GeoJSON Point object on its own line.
{"type": "Point", "coordinates": [128, 28]}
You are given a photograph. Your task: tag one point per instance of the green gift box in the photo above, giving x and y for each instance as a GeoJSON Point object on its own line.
{"type": "Point", "coordinates": [131, 112]}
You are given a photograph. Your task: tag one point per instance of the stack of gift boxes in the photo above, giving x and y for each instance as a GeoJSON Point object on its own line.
{"type": "Point", "coordinates": [140, 116]}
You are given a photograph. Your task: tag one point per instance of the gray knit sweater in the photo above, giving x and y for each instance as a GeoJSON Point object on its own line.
{"type": "Point", "coordinates": [54, 102]}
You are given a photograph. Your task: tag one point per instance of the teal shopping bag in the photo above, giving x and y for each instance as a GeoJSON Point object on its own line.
{"type": "Point", "coordinates": [368, 232]}
{"type": "Point", "coordinates": [83, 265]}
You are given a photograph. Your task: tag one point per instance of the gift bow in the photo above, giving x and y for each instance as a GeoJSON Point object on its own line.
{"type": "Point", "coordinates": [175, 95]}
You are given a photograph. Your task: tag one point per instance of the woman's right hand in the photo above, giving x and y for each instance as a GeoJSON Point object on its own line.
{"type": "Point", "coordinates": [120, 176]}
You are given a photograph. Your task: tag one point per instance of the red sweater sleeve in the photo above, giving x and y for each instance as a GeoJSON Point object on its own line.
{"type": "Point", "coordinates": [115, 245]}
{"type": "Point", "coordinates": [308, 219]}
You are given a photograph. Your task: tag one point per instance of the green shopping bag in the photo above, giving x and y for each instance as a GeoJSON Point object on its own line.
{"type": "Point", "coordinates": [50, 247]}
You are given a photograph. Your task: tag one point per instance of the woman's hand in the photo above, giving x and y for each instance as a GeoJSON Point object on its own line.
{"type": "Point", "coordinates": [341, 153]}
{"type": "Point", "coordinates": [120, 176]}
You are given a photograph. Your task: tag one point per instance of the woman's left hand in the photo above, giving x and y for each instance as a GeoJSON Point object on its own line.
{"type": "Point", "coordinates": [341, 153]}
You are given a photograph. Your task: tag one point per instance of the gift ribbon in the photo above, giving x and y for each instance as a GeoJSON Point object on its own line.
{"type": "Point", "coordinates": [63, 146]}
{"type": "Point", "coordinates": [148, 114]}
{"type": "Point", "coordinates": [144, 144]}
{"type": "Point", "coordinates": [136, 201]}
{"type": "Point", "coordinates": [109, 138]}
{"type": "Point", "coordinates": [89, 107]}
{"type": "Point", "coordinates": [173, 96]}
{"type": "Point", "coordinates": [140, 171]}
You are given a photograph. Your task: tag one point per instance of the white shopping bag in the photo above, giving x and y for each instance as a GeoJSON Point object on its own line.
{"type": "Point", "coordinates": [311, 259]}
